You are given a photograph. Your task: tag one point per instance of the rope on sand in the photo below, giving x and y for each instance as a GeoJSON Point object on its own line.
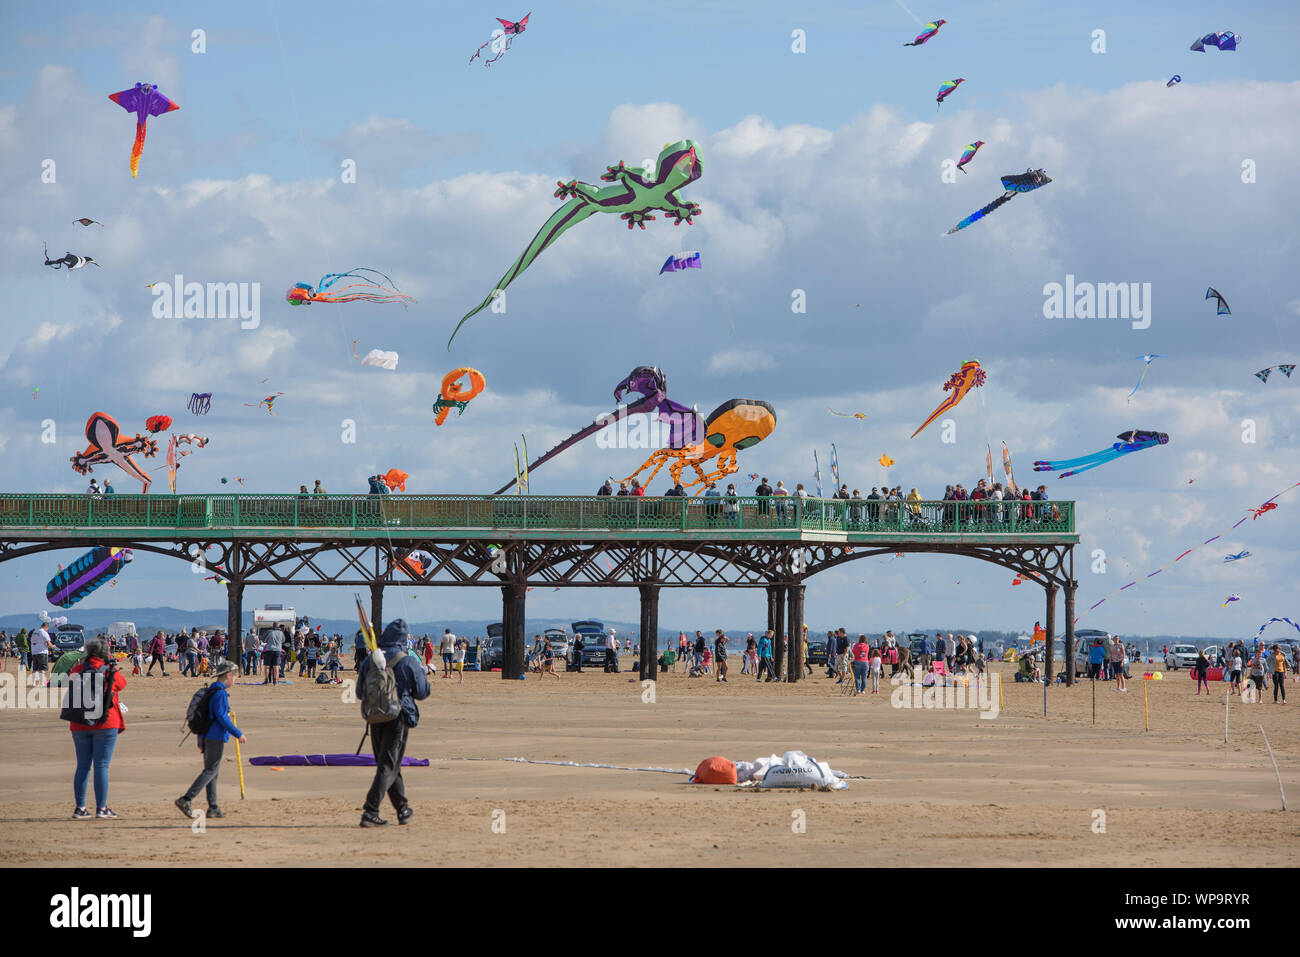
{"type": "Point", "coordinates": [618, 767]}
{"type": "Point", "coordinates": [575, 764]}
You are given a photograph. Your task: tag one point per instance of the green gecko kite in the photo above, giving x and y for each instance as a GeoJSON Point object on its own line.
{"type": "Point", "coordinates": [634, 194]}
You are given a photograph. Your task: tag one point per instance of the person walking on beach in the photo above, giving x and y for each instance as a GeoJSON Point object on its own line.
{"type": "Point", "coordinates": [41, 644]}
{"type": "Point", "coordinates": [1256, 669]}
{"type": "Point", "coordinates": [447, 648]}
{"type": "Point", "coordinates": [765, 657]}
{"type": "Point", "coordinates": [720, 653]}
{"type": "Point", "coordinates": [95, 738]}
{"type": "Point", "coordinates": [861, 662]}
{"type": "Point", "coordinates": [1117, 666]}
{"type": "Point", "coordinates": [699, 649]}
{"type": "Point", "coordinates": [191, 652]}
{"type": "Point", "coordinates": [877, 668]}
{"type": "Point", "coordinates": [157, 655]}
{"type": "Point", "coordinates": [212, 743]}
{"type": "Point", "coordinates": [1201, 667]}
{"type": "Point", "coordinates": [751, 650]}
{"type": "Point", "coordinates": [389, 734]}
{"type": "Point", "coordinates": [271, 654]}
{"type": "Point", "coordinates": [1279, 674]}
{"type": "Point", "coordinates": [1235, 685]}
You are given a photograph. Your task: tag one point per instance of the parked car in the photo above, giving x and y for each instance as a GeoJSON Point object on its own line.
{"type": "Point", "coordinates": [817, 653]}
{"type": "Point", "coordinates": [593, 642]}
{"type": "Point", "coordinates": [914, 645]}
{"type": "Point", "coordinates": [1083, 639]}
{"type": "Point", "coordinates": [69, 637]}
{"type": "Point", "coordinates": [491, 650]}
{"type": "Point", "coordinates": [560, 642]}
{"type": "Point", "coordinates": [1180, 656]}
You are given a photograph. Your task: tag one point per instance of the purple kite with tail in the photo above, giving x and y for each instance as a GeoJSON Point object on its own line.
{"type": "Point", "coordinates": [685, 425]}
{"type": "Point", "coordinates": [144, 100]}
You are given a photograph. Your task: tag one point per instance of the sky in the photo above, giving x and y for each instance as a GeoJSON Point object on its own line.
{"type": "Point", "coordinates": [823, 181]}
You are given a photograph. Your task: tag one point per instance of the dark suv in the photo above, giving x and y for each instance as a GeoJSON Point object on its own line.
{"type": "Point", "coordinates": [69, 638]}
{"type": "Point", "coordinates": [593, 636]}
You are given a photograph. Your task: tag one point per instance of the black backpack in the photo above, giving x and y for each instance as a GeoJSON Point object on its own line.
{"type": "Point", "coordinates": [89, 696]}
{"type": "Point", "coordinates": [198, 716]}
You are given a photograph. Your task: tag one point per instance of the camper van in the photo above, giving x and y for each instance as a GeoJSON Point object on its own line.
{"type": "Point", "coordinates": [274, 616]}
{"type": "Point", "coordinates": [119, 633]}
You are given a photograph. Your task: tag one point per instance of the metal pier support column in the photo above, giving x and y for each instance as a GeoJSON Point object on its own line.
{"type": "Point", "coordinates": [794, 640]}
{"type": "Point", "coordinates": [649, 630]}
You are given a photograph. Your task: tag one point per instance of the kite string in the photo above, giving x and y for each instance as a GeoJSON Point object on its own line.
{"type": "Point", "coordinates": [1180, 557]}
{"type": "Point", "coordinates": [909, 12]}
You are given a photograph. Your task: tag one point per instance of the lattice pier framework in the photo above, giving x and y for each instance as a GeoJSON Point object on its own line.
{"type": "Point", "coordinates": [517, 565]}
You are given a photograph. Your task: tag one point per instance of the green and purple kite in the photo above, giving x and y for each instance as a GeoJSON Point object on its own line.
{"type": "Point", "coordinates": [635, 193]}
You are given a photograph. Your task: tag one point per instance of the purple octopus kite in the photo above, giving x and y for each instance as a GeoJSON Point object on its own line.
{"type": "Point", "coordinates": [685, 425]}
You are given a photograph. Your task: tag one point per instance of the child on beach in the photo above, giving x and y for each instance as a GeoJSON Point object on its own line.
{"type": "Point", "coordinates": [877, 668]}
{"type": "Point", "coordinates": [333, 660]}
{"type": "Point", "coordinates": [458, 656]}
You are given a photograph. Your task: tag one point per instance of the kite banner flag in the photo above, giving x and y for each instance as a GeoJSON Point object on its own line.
{"type": "Point", "coordinates": [681, 261]}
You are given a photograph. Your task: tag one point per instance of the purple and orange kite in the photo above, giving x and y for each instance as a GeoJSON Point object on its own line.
{"type": "Point", "coordinates": [144, 100]}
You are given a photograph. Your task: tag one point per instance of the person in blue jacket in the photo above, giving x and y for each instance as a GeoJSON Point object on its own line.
{"type": "Point", "coordinates": [213, 742]}
{"type": "Point", "coordinates": [388, 739]}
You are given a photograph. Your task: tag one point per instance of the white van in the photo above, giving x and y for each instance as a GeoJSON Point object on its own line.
{"type": "Point", "coordinates": [119, 632]}
{"type": "Point", "coordinates": [275, 616]}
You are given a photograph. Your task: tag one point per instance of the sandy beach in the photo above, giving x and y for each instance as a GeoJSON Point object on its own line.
{"type": "Point", "coordinates": [939, 787]}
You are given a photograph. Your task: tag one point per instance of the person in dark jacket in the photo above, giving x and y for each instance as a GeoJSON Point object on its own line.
{"type": "Point", "coordinates": [763, 492]}
{"type": "Point", "coordinates": [213, 742]}
{"type": "Point", "coordinates": [388, 740]}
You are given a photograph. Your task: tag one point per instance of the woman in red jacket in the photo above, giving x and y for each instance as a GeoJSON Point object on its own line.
{"type": "Point", "coordinates": [95, 743]}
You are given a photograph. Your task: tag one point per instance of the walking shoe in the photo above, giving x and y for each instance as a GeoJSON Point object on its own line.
{"type": "Point", "coordinates": [81, 814]}
{"type": "Point", "coordinates": [105, 813]}
{"type": "Point", "coordinates": [216, 812]}
{"type": "Point", "coordinates": [184, 805]}
{"type": "Point", "coordinates": [370, 819]}
{"type": "Point", "coordinates": [405, 815]}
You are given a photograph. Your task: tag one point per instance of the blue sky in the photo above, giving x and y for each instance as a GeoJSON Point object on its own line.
{"type": "Point", "coordinates": [822, 173]}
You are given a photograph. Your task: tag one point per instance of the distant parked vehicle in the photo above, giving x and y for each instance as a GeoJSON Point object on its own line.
{"type": "Point", "coordinates": [1083, 640]}
{"type": "Point", "coordinates": [491, 650]}
{"type": "Point", "coordinates": [69, 637]}
{"type": "Point", "coordinates": [817, 653]}
{"type": "Point", "coordinates": [560, 642]}
{"type": "Point", "coordinates": [1180, 656]}
{"type": "Point", "coordinates": [593, 635]}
